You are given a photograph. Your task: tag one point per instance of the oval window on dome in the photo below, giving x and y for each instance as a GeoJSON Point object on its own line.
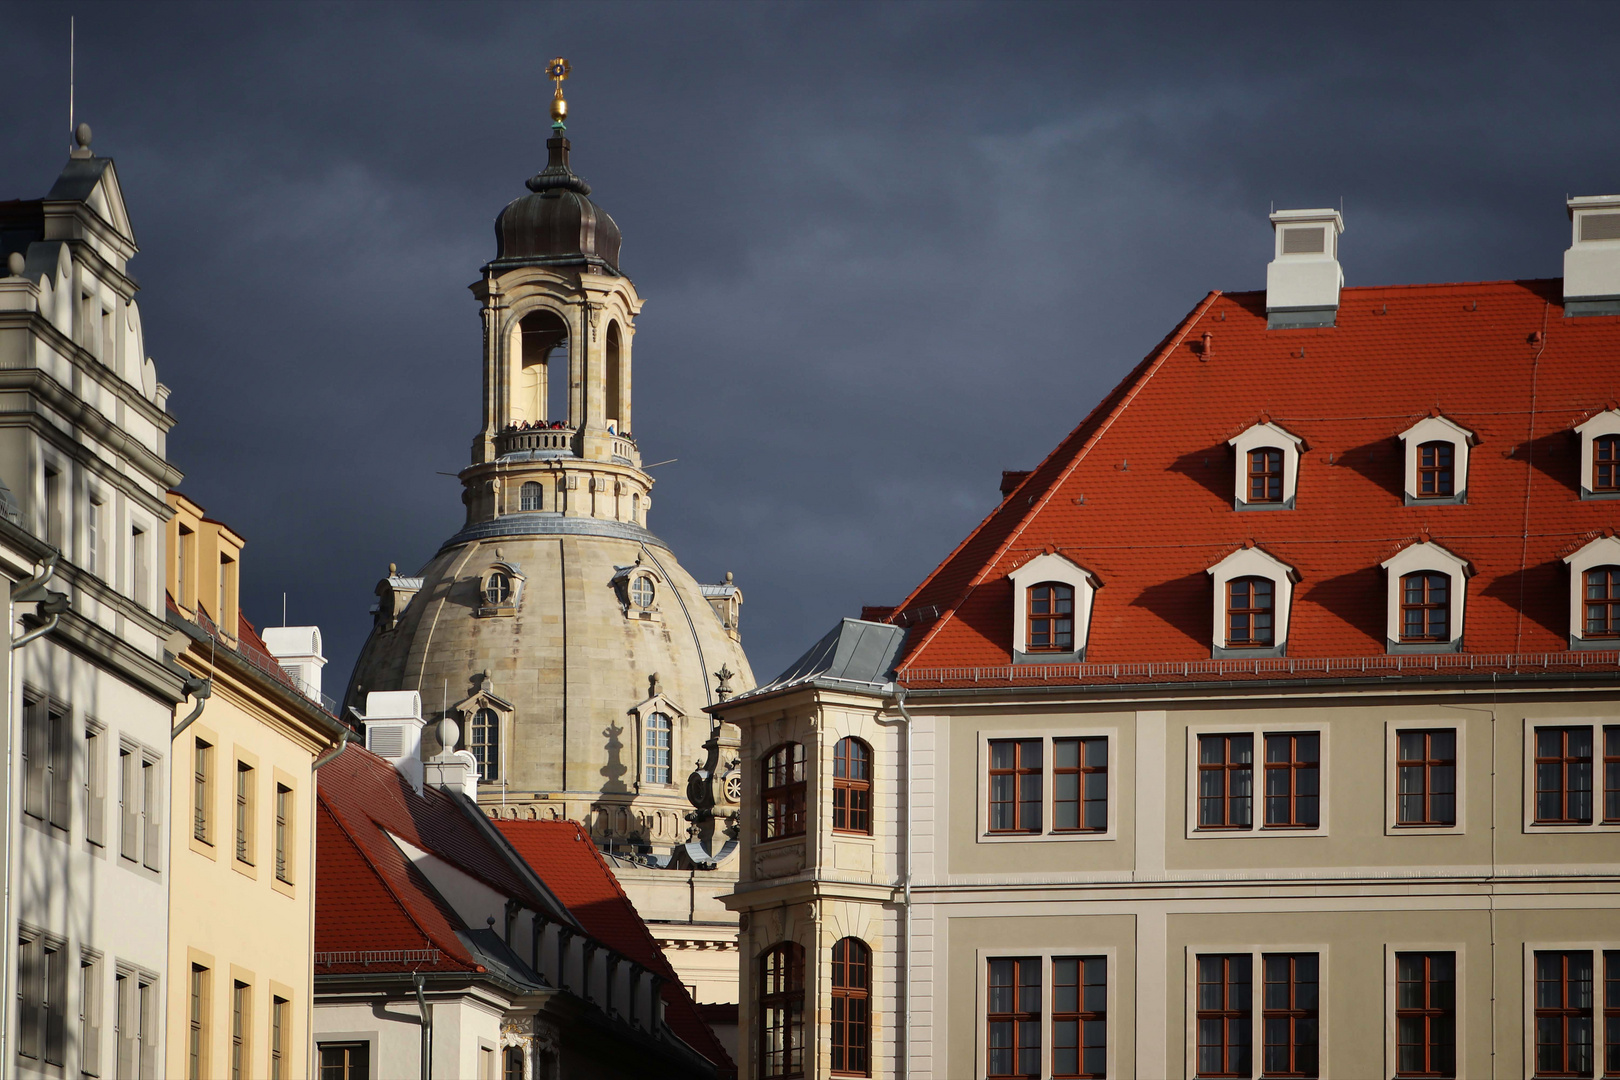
{"type": "Point", "coordinates": [641, 592]}
{"type": "Point", "coordinates": [498, 589]}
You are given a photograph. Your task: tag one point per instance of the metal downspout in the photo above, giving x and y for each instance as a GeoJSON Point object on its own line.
{"type": "Point", "coordinates": [202, 689]}
{"type": "Point", "coordinates": [905, 889]}
{"type": "Point", "coordinates": [427, 1030]}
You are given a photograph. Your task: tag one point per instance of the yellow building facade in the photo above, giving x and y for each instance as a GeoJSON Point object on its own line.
{"type": "Point", "coordinates": [242, 802]}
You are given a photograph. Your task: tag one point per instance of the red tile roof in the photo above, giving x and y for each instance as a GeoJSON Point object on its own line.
{"type": "Point", "coordinates": [1141, 492]}
{"type": "Point", "coordinates": [563, 855]}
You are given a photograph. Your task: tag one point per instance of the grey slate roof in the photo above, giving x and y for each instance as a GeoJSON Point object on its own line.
{"type": "Point", "coordinates": [854, 655]}
{"type": "Point", "coordinates": [79, 178]}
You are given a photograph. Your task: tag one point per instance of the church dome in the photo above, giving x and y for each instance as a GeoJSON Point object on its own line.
{"type": "Point", "coordinates": [558, 224]}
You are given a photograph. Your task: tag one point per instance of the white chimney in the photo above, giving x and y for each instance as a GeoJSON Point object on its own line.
{"type": "Point", "coordinates": [393, 721]}
{"type": "Point", "coordinates": [1303, 279]}
{"type": "Point", "coordinates": [1592, 263]}
{"type": "Point", "coordinates": [298, 650]}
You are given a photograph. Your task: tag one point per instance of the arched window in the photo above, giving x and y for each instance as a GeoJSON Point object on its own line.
{"type": "Point", "coordinates": [1426, 607]}
{"type": "Point", "coordinates": [852, 787]}
{"type": "Point", "coordinates": [484, 740]}
{"type": "Point", "coordinates": [1603, 602]}
{"type": "Point", "coordinates": [1435, 470]}
{"type": "Point", "coordinates": [498, 589]}
{"type": "Point", "coordinates": [529, 496]}
{"type": "Point", "coordinates": [615, 380]}
{"type": "Point", "coordinates": [1051, 617]}
{"type": "Point", "coordinates": [851, 1008]}
{"type": "Point", "coordinates": [781, 1012]}
{"type": "Point", "coordinates": [641, 591]}
{"type": "Point", "coordinates": [1248, 612]}
{"type": "Point", "coordinates": [1265, 475]}
{"type": "Point", "coordinates": [1606, 463]}
{"type": "Point", "coordinates": [635, 508]}
{"type": "Point", "coordinates": [782, 784]}
{"type": "Point", "coordinates": [656, 749]}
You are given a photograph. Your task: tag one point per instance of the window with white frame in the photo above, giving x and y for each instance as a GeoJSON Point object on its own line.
{"type": "Point", "coordinates": [1254, 593]}
{"type": "Point", "coordinates": [1045, 1013]}
{"type": "Point", "coordinates": [1426, 587]}
{"type": "Point", "coordinates": [1052, 598]}
{"type": "Point", "coordinates": [1600, 456]}
{"type": "Point", "coordinates": [1267, 459]}
{"type": "Point", "coordinates": [1255, 1013]}
{"type": "Point", "coordinates": [1594, 594]}
{"type": "Point", "coordinates": [1263, 780]}
{"type": "Point", "coordinates": [1436, 453]}
{"type": "Point", "coordinates": [1048, 786]}
{"type": "Point", "coordinates": [530, 496]}
{"type": "Point", "coordinates": [1571, 776]}
{"type": "Point", "coordinates": [656, 749]}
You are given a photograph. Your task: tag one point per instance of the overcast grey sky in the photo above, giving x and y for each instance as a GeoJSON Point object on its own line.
{"type": "Point", "coordinates": [888, 250]}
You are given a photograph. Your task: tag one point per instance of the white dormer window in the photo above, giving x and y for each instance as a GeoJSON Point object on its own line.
{"type": "Point", "coordinates": [1425, 591]}
{"type": "Point", "coordinates": [1594, 595]}
{"type": "Point", "coordinates": [1254, 594]}
{"type": "Point", "coordinates": [1437, 461]}
{"type": "Point", "coordinates": [1267, 467]}
{"type": "Point", "coordinates": [1600, 455]}
{"type": "Point", "coordinates": [1051, 610]}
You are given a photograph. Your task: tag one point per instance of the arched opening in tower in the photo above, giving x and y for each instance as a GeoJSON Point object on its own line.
{"type": "Point", "coordinates": [541, 394]}
{"type": "Point", "coordinates": [616, 416]}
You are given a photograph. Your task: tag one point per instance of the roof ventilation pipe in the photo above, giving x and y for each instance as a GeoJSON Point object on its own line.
{"type": "Point", "coordinates": [393, 720]}
{"type": "Point", "coordinates": [1303, 278]}
{"type": "Point", "coordinates": [1592, 263]}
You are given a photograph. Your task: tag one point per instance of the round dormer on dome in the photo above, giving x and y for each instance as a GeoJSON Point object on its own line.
{"type": "Point", "coordinates": [557, 225]}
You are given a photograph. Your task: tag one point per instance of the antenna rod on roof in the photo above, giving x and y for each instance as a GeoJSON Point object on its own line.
{"type": "Point", "coordinates": [70, 81]}
{"type": "Point", "coordinates": [283, 609]}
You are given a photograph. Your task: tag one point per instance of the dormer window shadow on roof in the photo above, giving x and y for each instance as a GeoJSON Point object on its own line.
{"type": "Point", "coordinates": [1267, 467]}
{"type": "Point", "coordinates": [1436, 453]}
{"type": "Point", "coordinates": [1600, 455]}
{"type": "Point", "coordinates": [1425, 591]}
{"type": "Point", "coordinates": [1052, 599]}
{"type": "Point", "coordinates": [1254, 595]}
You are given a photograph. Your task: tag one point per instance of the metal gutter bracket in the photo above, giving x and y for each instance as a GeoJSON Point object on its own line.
{"type": "Point", "coordinates": [51, 603]}
{"type": "Point", "coordinates": [200, 688]}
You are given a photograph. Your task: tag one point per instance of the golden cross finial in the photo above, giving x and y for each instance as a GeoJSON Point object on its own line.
{"type": "Point", "coordinates": [557, 71]}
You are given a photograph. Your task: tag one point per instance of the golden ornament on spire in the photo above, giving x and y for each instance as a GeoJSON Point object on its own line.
{"type": "Point", "coordinates": [557, 71]}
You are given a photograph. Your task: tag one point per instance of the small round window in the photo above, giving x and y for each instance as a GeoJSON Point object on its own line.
{"type": "Point", "coordinates": [498, 589]}
{"type": "Point", "coordinates": [641, 592]}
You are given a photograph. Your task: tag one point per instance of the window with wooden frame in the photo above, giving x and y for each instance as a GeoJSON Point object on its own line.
{"type": "Point", "coordinates": [851, 1008]}
{"type": "Point", "coordinates": [530, 496]}
{"type": "Point", "coordinates": [1606, 463]}
{"type": "Point", "coordinates": [279, 1010]}
{"type": "Point", "coordinates": [1249, 607]}
{"type": "Point", "coordinates": [484, 740]}
{"type": "Point", "coordinates": [1563, 775]}
{"type": "Point", "coordinates": [1050, 617]}
{"type": "Point", "coordinates": [1265, 475]}
{"type": "Point", "coordinates": [1225, 781]}
{"type": "Point", "coordinates": [1611, 1013]}
{"type": "Point", "coordinates": [1015, 785]}
{"type": "Point", "coordinates": [241, 1025]}
{"type": "Point", "coordinates": [345, 1061]}
{"type": "Point", "coordinates": [1293, 780]}
{"type": "Point", "coordinates": [1013, 1019]}
{"type": "Point", "coordinates": [1611, 778]}
{"type": "Point", "coordinates": [1225, 1016]}
{"type": "Point", "coordinates": [1435, 475]}
{"type": "Point", "coordinates": [1426, 777]}
{"type": "Point", "coordinates": [1426, 1014]}
{"type": "Point", "coordinates": [202, 791]}
{"type": "Point", "coordinates": [852, 786]}
{"type": "Point", "coordinates": [1601, 605]}
{"type": "Point", "coordinates": [197, 1024]}
{"type": "Point", "coordinates": [1080, 785]}
{"type": "Point", "coordinates": [1426, 607]}
{"type": "Point", "coordinates": [245, 798]}
{"type": "Point", "coordinates": [284, 834]}
{"type": "Point", "coordinates": [782, 793]}
{"type": "Point", "coordinates": [657, 750]}
{"type": "Point", "coordinates": [1288, 1014]}
{"type": "Point", "coordinates": [512, 1065]}
{"type": "Point", "coordinates": [90, 976]}
{"type": "Point", "coordinates": [1079, 1017]}
{"type": "Point", "coordinates": [1563, 1012]}
{"type": "Point", "coordinates": [781, 1012]}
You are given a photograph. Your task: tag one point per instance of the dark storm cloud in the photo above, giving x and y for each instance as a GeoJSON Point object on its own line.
{"type": "Point", "coordinates": [888, 251]}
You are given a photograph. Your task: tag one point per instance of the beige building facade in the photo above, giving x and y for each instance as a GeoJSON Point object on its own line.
{"type": "Point", "coordinates": [241, 827]}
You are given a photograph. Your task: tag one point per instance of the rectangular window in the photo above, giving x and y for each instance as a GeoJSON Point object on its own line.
{"type": "Point", "coordinates": [278, 1038]}
{"type": "Point", "coordinates": [1434, 470]}
{"type": "Point", "coordinates": [1225, 1016]}
{"type": "Point", "coordinates": [284, 833]}
{"type": "Point", "coordinates": [149, 1021]}
{"type": "Point", "coordinates": [94, 526]}
{"type": "Point", "coordinates": [1426, 767]}
{"type": "Point", "coordinates": [1564, 1013]}
{"type": "Point", "coordinates": [129, 805]}
{"type": "Point", "coordinates": [123, 1028]}
{"type": "Point", "coordinates": [1014, 1018]}
{"type": "Point", "coordinates": [1249, 604]}
{"type": "Point", "coordinates": [95, 785]}
{"type": "Point", "coordinates": [182, 564]}
{"type": "Point", "coordinates": [140, 561]}
{"type": "Point", "coordinates": [486, 1063]}
{"type": "Point", "coordinates": [197, 1030]}
{"type": "Point", "coordinates": [54, 981]}
{"type": "Point", "coordinates": [244, 813]}
{"type": "Point", "coordinates": [1265, 475]}
{"type": "Point", "coordinates": [1225, 781]}
{"type": "Point", "coordinates": [1080, 785]}
{"type": "Point", "coordinates": [47, 763]}
{"type": "Point", "coordinates": [89, 1014]}
{"type": "Point", "coordinates": [241, 1023]}
{"type": "Point", "coordinates": [1611, 777]}
{"type": "Point", "coordinates": [345, 1061]}
{"type": "Point", "coordinates": [227, 567]}
{"type": "Point", "coordinates": [1293, 794]}
{"type": "Point", "coordinates": [1080, 1017]}
{"type": "Point", "coordinates": [1015, 785]}
{"type": "Point", "coordinates": [1611, 1013]}
{"type": "Point", "coordinates": [151, 817]}
{"type": "Point", "coordinates": [1426, 1014]}
{"type": "Point", "coordinates": [42, 984]}
{"type": "Point", "coordinates": [1288, 1013]}
{"type": "Point", "coordinates": [202, 791]}
{"type": "Point", "coordinates": [1564, 776]}
{"type": "Point", "coordinates": [54, 524]}
{"type": "Point", "coordinates": [135, 1024]}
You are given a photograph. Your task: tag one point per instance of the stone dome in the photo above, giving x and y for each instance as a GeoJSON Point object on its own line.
{"type": "Point", "coordinates": [558, 224]}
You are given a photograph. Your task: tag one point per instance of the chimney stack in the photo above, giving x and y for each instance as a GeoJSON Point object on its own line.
{"type": "Point", "coordinates": [393, 722]}
{"type": "Point", "coordinates": [1592, 263]}
{"type": "Point", "coordinates": [1303, 279]}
